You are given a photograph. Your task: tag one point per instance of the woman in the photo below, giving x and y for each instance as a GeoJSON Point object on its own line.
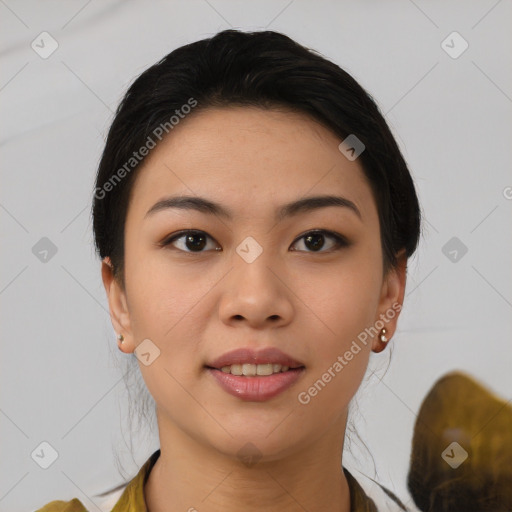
{"type": "Point", "coordinates": [254, 217]}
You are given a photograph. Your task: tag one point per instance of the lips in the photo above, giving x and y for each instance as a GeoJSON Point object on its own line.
{"type": "Point", "coordinates": [258, 388]}
{"type": "Point", "coordinates": [248, 355]}
{"type": "Point", "coordinates": [255, 388]}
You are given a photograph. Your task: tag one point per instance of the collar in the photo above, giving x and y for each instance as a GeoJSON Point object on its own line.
{"type": "Point", "coordinates": [132, 499]}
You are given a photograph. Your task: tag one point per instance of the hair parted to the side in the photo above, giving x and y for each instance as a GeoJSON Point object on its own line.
{"type": "Point", "coordinates": [262, 69]}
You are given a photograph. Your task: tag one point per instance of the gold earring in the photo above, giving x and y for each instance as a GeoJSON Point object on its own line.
{"type": "Point", "coordinates": [383, 336]}
{"type": "Point", "coordinates": [120, 337]}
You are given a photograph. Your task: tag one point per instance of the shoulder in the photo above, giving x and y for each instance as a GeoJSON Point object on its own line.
{"type": "Point", "coordinates": [127, 496]}
{"type": "Point", "coordinates": [74, 505]}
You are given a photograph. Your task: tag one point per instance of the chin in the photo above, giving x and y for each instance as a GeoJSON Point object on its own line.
{"type": "Point", "coordinates": [253, 446]}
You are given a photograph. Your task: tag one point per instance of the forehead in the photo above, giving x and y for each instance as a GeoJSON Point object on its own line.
{"type": "Point", "coordinates": [249, 158]}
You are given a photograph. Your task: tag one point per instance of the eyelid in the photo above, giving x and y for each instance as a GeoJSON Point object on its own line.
{"type": "Point", "coordinates": [340, 240]}
{"type": "Point", "coordinates": [178, 234]}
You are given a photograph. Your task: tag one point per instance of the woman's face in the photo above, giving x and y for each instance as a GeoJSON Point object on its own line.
{"type": "Point", "coordinates": [268, 285]}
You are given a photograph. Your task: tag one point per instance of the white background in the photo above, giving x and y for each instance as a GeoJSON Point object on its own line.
{"type": "Point", "coordinates": [60, 380]}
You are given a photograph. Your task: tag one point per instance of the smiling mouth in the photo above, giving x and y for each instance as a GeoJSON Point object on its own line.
{"type": "Point", "coordinates": [255, 370]}
{"type": "Point", "coordinates": [256, 382]}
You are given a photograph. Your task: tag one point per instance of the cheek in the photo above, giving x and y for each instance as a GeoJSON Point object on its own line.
{"type": "Point", "coordinates": [347, 310]}
{"type": "Point", "coordinates": [344, 300]}
{"type": "Point", "coordinates": [340, 348]}
{"type": "Point", "coordinates": [167, 301]}
{"type": "Point", "coordinates": [339, 356]}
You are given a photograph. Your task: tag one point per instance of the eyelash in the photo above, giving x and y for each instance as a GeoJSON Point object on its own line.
{"type": "Point", "coordinates": [340, 241]}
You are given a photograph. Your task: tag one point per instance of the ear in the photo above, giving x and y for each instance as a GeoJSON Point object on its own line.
{"type": "Point", "coordinates": [119, 314]}
{"type": "Point", "coordinates": [391, 300]}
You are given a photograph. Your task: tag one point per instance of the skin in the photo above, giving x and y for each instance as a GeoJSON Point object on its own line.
{"type": "Point", "coordinates": [196, 306]}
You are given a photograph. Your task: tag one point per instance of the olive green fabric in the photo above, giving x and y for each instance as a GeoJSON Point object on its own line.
{"type": "Point", "coordinates": [132, 499]}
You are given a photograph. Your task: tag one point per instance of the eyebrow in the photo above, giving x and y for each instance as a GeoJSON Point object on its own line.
{"type": "Point", "coordinates": [209, 207]}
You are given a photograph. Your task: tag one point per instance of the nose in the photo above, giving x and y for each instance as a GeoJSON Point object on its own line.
{"type": "Point", "coordinates": [256, 294]}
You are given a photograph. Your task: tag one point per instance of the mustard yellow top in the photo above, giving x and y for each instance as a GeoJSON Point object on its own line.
{"type": "Point", "coordinates": [132, 499]}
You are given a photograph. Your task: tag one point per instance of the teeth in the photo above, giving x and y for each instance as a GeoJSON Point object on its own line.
{"type": "Point", "coordinates": [236, 369]}
{"type": "Point", "coordinates": [264, 369]}
{"type": "Point", "coordinates": [251, 370]}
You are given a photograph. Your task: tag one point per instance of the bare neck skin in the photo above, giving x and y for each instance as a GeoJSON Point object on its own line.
{"type": "Point", "coordinates": [190, 476]}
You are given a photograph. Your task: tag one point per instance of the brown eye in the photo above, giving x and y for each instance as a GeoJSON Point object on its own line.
{"type": "Point", "coordinates": [314, 241]}
{"type": "Point", "coordinates": [189, 241]}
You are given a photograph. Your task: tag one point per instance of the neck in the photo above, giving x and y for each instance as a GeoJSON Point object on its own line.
{"type": "Point", "coordinates": [192, 476]}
